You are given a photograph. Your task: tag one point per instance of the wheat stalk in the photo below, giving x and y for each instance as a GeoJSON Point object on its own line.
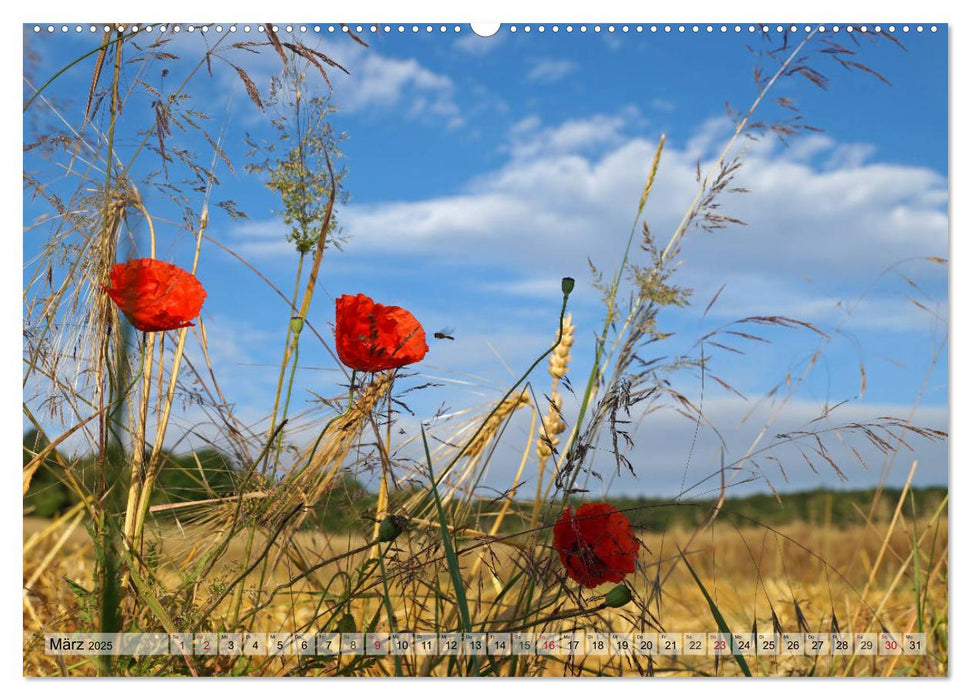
{"type": "Point", "coordinates": [491, 426]}
{"type": "Point", "coordinates": [553, 424]}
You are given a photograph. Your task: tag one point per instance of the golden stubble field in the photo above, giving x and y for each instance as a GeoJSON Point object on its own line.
{"type": "Point", "coordinates": [801, 575]}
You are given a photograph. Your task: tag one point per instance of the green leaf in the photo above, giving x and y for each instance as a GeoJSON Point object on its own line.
{"type": "Point", "coordinates": [719, 619]}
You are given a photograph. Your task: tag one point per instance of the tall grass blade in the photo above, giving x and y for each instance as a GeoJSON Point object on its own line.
{"type": "Point", "coordinates": [716, 613]}
{"type": "Point", "coordinates": [451, 559]}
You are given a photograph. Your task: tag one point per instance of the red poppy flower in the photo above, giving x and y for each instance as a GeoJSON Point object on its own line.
{"type": "Point", "coordinates": [155, 295]}
{"type": "Point", "coordinates": [372, 337]}
{"type": "Point", "coordinates": [595, 544]}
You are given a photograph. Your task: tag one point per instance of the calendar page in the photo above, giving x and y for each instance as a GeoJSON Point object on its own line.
{"type": "Point", "coordinates": [537, 349]}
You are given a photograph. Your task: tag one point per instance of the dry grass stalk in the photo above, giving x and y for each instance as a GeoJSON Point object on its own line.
{"type": "Point", "coordinates": [347, 428]}
{"type": "Point", "coordinates": [308, 485]}
{"type": "Point", "coordinates": [135, 526]}
{"type": "Point", "coordinates": [492, 425]}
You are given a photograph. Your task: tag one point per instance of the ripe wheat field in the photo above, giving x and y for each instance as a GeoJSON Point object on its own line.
{"type": "Point", "coordinates": [751, 572]}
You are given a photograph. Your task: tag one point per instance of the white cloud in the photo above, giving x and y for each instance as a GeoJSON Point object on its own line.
{"type": "Point", "coordinates": [760, 449]}
{"type": "Point", "coordinates": [569, 191]}
{"type": "Point", "coordinates": [379, 82]}
{"type": "Point", "coordinates": [669, 452]}
{"type": "Point", "coordinates": [373, 82]}
{"type": "Point", "coordinates": [662, 104]}
{"type": "Point", "coordinates": [662, 453]}
{"type": "Point", "coordinates": [530, 139]}
{"type": "Point", "coordinates": [884, 308]}
{"type": "Point", "coordinates": [800, 217]}
{"type": "Point", "coordinates": [550, 70]}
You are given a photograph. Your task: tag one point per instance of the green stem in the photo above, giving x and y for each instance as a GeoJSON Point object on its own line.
{"type": "Point", "coordinates": [270, 542]}
{"type": "Point", "coordinates": [522, 378]}
{"type": "Point", "coordinates": [592, 380]}
{"type": "Point", "coordinates": [291, 340]}
{"type": "Point", "coordinates": [110, 583]}
{"type": "Point", "coordinates": [387, 604]}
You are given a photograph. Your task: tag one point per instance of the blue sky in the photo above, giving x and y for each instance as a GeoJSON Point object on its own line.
{"type": "Point", "coordinates": [481, 171]}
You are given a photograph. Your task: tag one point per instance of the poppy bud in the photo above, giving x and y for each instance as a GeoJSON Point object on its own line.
{"type": "Point", "coordinates": [566, 284]}
{"type": "Point", "coordinates": [391, 527]}
{"type": "Point", "coordinates": [296, 325]}
{"type": "Point", "coordinates": [618, 596]}
{"type": "Point", "coordinates": [347, 624]}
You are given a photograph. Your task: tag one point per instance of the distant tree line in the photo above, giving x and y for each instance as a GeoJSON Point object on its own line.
{"type": "Point", "coordinates": [210, 473]}
{"type": "Point", "coordinates": [203, 474]}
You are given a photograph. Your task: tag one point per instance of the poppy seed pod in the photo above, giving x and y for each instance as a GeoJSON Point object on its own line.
{"type": "Point", "coordinates": [296, 325]}
{"type": "Point", "coordinates": [618, 596]}
{"type": "Point", "coordinates": [566, 284]}
{"type": "Point", "coordinates": [391, 527]}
